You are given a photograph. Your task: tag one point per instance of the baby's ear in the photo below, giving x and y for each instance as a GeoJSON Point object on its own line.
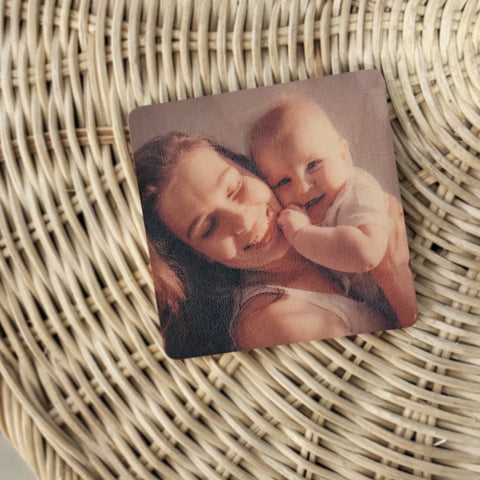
{"type": "Point", "coordinates": [345, 153]}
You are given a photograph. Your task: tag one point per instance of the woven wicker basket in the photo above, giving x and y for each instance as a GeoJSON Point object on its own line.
{"type": "Point", "coordinates": [86, 389]}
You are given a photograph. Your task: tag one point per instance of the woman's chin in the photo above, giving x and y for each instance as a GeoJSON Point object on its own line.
{"type": "Point", "coordinates": [264, 254]}
{"type": "Point", "coordinates": [275, 251]}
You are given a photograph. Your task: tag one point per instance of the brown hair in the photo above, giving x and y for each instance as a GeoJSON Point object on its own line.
{"type": "Point", "coordinates": [154, 164]}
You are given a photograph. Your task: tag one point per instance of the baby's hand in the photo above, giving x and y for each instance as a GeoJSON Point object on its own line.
{"type": "Point", "coordinates": [291, 220]}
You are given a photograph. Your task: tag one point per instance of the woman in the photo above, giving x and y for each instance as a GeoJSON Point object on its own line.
{"type": "Point", "coordinates": [226, 219]}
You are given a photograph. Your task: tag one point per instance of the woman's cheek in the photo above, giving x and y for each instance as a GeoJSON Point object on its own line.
{"type": "Point", "coordinates": [223, 250]}
{"type": "Point", "coordinates": [259, 191]}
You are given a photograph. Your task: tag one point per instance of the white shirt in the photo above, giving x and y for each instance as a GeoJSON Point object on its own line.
{"type": "Point", "coordinates": [361, 201]}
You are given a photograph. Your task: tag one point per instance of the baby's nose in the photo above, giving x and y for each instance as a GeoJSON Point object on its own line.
{"type": "Point", "coordinates": [303, 185]}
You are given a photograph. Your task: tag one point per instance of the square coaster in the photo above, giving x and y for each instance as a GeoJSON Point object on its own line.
{"type": "Point", "coordinates": [273, 215]}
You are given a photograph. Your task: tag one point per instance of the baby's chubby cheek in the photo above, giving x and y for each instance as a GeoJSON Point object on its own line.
{"type": "Point", "coordinates": [317, 217]}
{"type": "Point", "coordinates": [284, 198]}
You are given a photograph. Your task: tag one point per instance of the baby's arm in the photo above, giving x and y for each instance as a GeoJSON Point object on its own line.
{"type": "Point", "coordinates": [345, 248]}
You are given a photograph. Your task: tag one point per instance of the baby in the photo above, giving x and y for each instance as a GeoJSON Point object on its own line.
{"type": "Point", "coordinates": [334, 214]}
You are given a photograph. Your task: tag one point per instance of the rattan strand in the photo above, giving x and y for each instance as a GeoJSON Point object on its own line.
{"type": "Point", "coordinates": [86, 389]}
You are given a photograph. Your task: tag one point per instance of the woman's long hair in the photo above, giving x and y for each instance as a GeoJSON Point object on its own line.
{"type": "Point", "coordinates": [194, 296]}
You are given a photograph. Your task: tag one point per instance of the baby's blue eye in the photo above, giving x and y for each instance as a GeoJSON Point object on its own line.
{"type": "Point", "coordinates": [282, 182]}
{"type": "Point", "coordinates": [312, 164]}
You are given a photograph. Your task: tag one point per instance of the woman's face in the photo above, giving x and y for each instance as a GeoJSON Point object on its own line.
{"type": "Point", "coordinates": [223, 211]}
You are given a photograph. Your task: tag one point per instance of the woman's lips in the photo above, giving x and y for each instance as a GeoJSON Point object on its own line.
{"type": "Point", "coordinates": [266, 236]}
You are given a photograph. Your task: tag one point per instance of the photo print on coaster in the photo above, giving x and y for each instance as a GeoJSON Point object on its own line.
{"type": "Point", "coordinates": [273, 215]}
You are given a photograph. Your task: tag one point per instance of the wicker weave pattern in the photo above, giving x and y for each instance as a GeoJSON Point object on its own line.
{"type": "Point", "coordinates": [86, 390]}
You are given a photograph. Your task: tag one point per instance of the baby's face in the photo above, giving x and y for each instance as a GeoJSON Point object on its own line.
{"type": "Point", "coordinates": [308, 165]}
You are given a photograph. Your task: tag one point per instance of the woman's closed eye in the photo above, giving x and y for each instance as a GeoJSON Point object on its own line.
{"type": "Point", "coordinates": [211, 223]}
{"type": "Point", "coordinates": [209, 227]}
{"type": "Point", "coordinates": [234, 192]}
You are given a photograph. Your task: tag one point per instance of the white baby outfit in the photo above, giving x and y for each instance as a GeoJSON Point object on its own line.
{"type": "Point", "coordinates": [361, 201]}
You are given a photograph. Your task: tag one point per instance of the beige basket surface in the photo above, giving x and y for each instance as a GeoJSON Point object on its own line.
{"type": "Point", "coordinates": [87, 391]}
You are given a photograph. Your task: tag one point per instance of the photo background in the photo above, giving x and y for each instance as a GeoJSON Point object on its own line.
{"type": "Point", "coordinates": [355, 102]}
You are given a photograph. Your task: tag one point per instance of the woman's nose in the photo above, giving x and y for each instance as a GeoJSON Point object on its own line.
{"type": "Point", "coordinates": [240, 224]}
{"type": "Point", "coordinates": [237, 220]}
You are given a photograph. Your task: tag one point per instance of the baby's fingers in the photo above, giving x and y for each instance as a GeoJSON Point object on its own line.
{"type": "Point", "coordinates": [286, 224]}
{"type": "Point", "coordinates": [296, 208]}
{"type": "Point", "coordinates": [284, 217]}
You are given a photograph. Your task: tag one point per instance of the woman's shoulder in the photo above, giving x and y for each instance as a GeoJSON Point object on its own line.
{"type": "Point", "coordinates": [274, 317]}
{"type": "Point", "coordinates": [254, 301]}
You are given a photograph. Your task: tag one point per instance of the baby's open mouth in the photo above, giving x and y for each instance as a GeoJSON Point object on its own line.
{"type": "Point", "coordinates": [314, 201]}
{"type": "Point", "coordinates": [262, 237]}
